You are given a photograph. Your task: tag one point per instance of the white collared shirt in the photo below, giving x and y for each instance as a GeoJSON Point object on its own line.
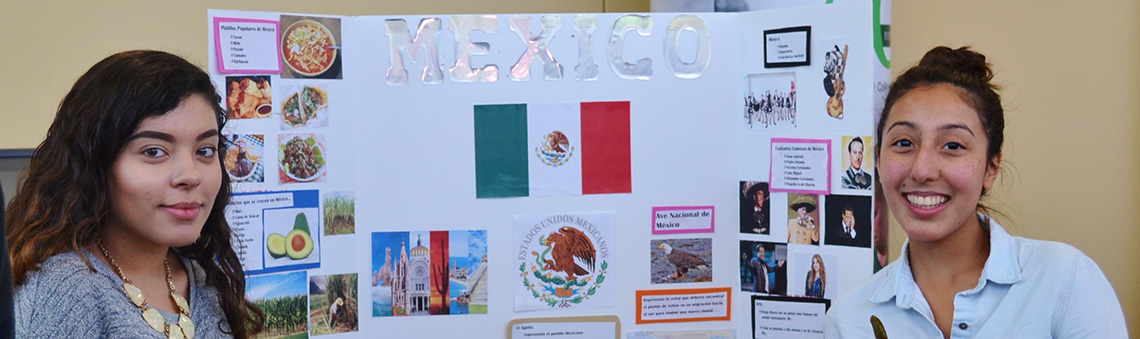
{"type": "Point", "coordinates": [1028, 289]}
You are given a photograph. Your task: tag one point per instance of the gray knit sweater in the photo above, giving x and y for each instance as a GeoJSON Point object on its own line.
{"type": "Point", "coordinates": [64, 299]}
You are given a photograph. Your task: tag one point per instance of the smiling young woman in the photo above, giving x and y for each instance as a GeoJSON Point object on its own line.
{"type": "Point", "coordinates": [960, 275]}
{"type": "Point", "coordinates": [118, 229]}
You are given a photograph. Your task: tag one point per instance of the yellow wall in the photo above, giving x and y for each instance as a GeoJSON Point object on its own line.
{"type": "Point", "coordinates": [1071, 77]}
{"type": "Point", "coordinates": [1071, 71]}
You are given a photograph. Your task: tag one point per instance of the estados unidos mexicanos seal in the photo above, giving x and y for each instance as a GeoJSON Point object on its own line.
{"type": "Point", "coordinates": [565, 266]}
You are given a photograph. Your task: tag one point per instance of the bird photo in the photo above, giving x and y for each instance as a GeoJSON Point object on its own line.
{"type": "Point", "coordinates": [681, 260]}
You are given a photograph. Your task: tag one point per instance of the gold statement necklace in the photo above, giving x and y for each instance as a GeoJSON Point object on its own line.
{"type": "Point", "coordinates": [183, 329]}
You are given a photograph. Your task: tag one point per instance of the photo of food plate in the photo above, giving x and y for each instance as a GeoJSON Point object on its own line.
{"type": "Point", "coordinates": [243, 157]}
{"type": "Point", "coordinates": [301, 157]}
{"type": "Point", "coordinates": [309, 47]}
{"type": "Point", "coordinates": [306, 106]}
{"type": "Point", "coordinates": [249, 97]}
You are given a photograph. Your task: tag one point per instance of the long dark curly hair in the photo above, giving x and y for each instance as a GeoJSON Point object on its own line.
{"type": "Point", "coordinates": [64, 202]}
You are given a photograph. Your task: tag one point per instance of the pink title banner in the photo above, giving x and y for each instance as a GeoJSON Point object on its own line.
{"type": "Point", "coordinates": [801, 165]}
{"type": "Point", "coordinates": [683, 219]}
{"type": "Point", "coordinates": [247, 45]}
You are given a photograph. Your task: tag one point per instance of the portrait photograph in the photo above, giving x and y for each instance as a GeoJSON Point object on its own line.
{"type": "Point", "coordinates": [763, 267]}
{"type": "Point", "coordinates": [848, 219]}
{"type": "Point", "coordinates": [803, 219]}
{"type": "Point", "coordinates": [755, 208]}
{"type": "Point", "coordinates": [813, 274]}
{"type": "Point", "coordinates": [857, 164]}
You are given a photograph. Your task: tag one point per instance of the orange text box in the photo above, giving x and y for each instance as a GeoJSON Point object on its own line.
{"type": "Point", "coordinates": [683, 305]}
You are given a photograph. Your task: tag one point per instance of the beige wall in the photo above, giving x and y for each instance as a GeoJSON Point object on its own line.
{"type": "Point", "coordinates": [1071, 71]}
{"type": "Point", "coordinates": [1071, 76]}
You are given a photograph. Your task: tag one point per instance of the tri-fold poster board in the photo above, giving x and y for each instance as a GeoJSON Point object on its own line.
{"type": "Point", "coordinates": [546, 175]}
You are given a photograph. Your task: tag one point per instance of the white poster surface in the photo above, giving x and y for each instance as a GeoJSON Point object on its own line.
{"type": "Point", "coordinates": [386, 111]}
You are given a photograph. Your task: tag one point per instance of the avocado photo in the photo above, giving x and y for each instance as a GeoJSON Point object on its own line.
{"type": "Point", "coordinates": [301, 223]}
{"type": "Point", "coordinates": [297, 244]}
{"type": "Point", "coordinates": [276, 245]}
{"type": "Point", "coordinates": [300, 244]}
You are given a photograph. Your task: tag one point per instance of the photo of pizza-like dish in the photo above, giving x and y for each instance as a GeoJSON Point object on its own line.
{"type": "Point", "coordinates": [304, 107]}
{"type": "Point", "coordinates": [249, 97]}
{"type": "Point", "coordinates": [308, 47]}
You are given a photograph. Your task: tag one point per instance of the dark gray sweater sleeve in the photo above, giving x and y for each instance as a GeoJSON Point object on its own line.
{"type": "Point", "coordinates": [64, 299]}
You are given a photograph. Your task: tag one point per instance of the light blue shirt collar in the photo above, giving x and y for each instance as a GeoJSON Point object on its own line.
{"type": "Point", "coordinates": [1027, 289]}
{"type": "Point", "coordinates": [1001, 267]}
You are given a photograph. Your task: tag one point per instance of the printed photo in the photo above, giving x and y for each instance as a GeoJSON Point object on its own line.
{"type": "Point", "coordinates": [813, 267]}
{"type": "Point", "coordinates": [803, 227]}
{"type": "Point", "coordinates": [763, 267]}
{"type": "Point", "coordinates": [301, 158]}
{"type": "Point", "coordinates": [848, 220]}
{"type": "Point", "coordinates": [755, 207]}
{"type": "Point", "coordinates": [419, 274]}
{"type": "Point", "coordinates": [310, 47]}
{"type": "Point", "coordinates": [305, 107]}
{"type": "Point", "coordinates": [770, 100]}
{"type": "Point", "coordinates": [289, 238]}
{"type": "Point", "coordinates": [249, 96]}
{"type": "Point", "coordinates": [857, 163]}
{"type": "Point", "coordinates": [467, 278]}
{"type": "Point", "coordinates": [333, 304]}
{"type": "Point", "coordinates": [680, 260]}
{"type": "Point", "coordinates": [440, 273]}
{"type": "Point", "coordinates": [389, 274]}
{"type": "Point", "coordinates": [445, 272]}
{"type": "Point", "coordinates": [244, 153]}
{"type": "Point", "coordinates": [340, 212]}
{"type": "Point", "coordinates": [834, 67]}
{"type": "Point", "coordinates": [283, 299]}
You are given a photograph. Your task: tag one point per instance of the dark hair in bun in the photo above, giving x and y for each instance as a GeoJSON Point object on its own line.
{"type": "Point", "coordinates": [969, 72]}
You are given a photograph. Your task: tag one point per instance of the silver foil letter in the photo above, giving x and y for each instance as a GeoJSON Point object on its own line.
{"type": "Point", "coordinates": [401, 45]}
{"type": "Point", "coordinates": [462, 25]}
{"type": "Point", "coordinates": [536, 46]}
{"type": "Point", "coordinates": [680, 68]}
{"type": "Point", "coordinates": [643, 69]}
{"type": "Point", "coordinates": [584, 26]}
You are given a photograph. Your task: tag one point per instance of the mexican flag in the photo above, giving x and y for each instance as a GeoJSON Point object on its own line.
{"type": "Point", "coordinates": [548, 149]}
